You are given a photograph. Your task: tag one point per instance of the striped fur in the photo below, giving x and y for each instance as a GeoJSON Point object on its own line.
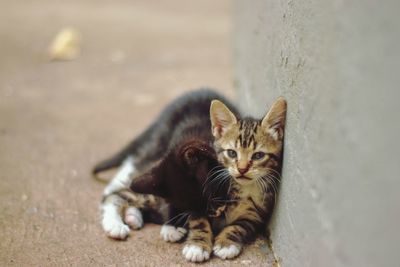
{"type": "Point", "coordinates": [198, 245]}
{"type": "Point", "coordinates": [251, 151]}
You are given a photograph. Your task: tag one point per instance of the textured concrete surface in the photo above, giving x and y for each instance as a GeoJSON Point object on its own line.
{"type": "Point", "coordinates": [58, 118]}
{"type": "Point", "coordinates": [337, 63]}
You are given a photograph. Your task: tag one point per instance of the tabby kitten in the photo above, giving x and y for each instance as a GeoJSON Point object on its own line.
{"type": "Point", "coordinates": [251, 152]}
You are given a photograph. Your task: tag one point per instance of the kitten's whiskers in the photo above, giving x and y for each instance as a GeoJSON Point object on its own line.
{"type": "Point", "coordinates": [179, 216]}
{"type": "Point", "coordinates": [271, 180]}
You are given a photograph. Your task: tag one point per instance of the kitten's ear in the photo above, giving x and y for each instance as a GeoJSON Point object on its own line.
{"type": "Point", "coordinates": [147, 183]}
{"type": "Point", "coordinates": [274, 121]}
{"type": "Point", "coordinates": [221, 118]}
{"type": "Point", "coordinates": [198, 156]}
{"type": "Point", "coordinates": [194, 152]}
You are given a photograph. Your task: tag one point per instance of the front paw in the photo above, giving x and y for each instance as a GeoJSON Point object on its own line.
{"type": "Point", "coordinates": [195, 253]}
{"type": "Point", "coordinates": [115, 229]}
{"type": "Point", "coordinates": [171, 233]}
{"type": "Point", "coordinates": [227, 251]}
{"type": "Point", "coordinates": [134, 218]}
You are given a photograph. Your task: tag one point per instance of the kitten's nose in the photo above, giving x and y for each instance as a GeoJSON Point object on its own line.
{"type": "Point", "coordinates": [243, 170]}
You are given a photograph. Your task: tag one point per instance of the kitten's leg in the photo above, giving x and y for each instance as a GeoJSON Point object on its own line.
{"type": "Point", "coordinates": [228, 244]}
{"type": "Point", "coordinates": [122, 179]}
{"type": "Point", "coordinates": [136, 203]}
{"type": "Point", "coordinates": [224, 246]}
{"type": "Point", "coordinates": [124, 204]}
{"type": "Point", "coordinates": [198, 245]}
{"type": "Point", "coordinates": [112, 208]}
{"type": "Point", "coordinates": [174, 229]}
{"type": "Point", "coordinates": [171, 233]}
{"type": "Point", "coordinates": [133, 217]}
{"type": "Point", "coordinates": [115, 207]}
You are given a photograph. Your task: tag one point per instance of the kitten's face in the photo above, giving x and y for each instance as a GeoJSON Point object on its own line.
{"type": "Point", "coordinates": [249, 149]}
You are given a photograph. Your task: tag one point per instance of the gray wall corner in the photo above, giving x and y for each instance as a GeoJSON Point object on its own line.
{"type": "Point", "coordinates": [336, 63]}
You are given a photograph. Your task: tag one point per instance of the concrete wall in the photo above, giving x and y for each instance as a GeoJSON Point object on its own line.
{"type": "Point", "coordinates": [337, 64]}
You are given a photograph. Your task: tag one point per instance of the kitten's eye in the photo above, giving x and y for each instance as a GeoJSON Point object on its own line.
{"type": "Point", "coordinates": [231, 153]}
{"type": "Point", "coordinates": [258, 155]}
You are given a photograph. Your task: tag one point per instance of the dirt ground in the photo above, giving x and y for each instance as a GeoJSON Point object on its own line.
{"type": "Point", "coordinates": [59, 118]}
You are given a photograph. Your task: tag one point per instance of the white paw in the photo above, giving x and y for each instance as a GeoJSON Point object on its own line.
{"type": "Point", "coordinates": [112, 222]}
{"type": "Point", "coordinates": [134, 218]}
{"type": "Point", "coordinates": [115, 229]}
{"type": "Point", "coordinates": [228, 252]}
{"type": "Point", "coordinates": [171, 233]}
{"type": "Point", "coordinates": [195, 253]}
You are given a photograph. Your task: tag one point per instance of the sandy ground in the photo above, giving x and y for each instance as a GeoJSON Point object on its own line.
{"type": "Point", "coordinates": [58, 118]}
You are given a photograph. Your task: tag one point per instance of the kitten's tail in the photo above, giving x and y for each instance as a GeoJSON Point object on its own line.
{"type": "Point", "coordinates": [107, 164]}
{"type": "Point", "coordinates": [113, 162]}
{"type": "Point", "coordinates": [104, 165]}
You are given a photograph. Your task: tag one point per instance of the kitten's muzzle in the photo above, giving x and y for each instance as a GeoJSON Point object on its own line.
{"type": "Point", "coordinates": [242, 177]}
